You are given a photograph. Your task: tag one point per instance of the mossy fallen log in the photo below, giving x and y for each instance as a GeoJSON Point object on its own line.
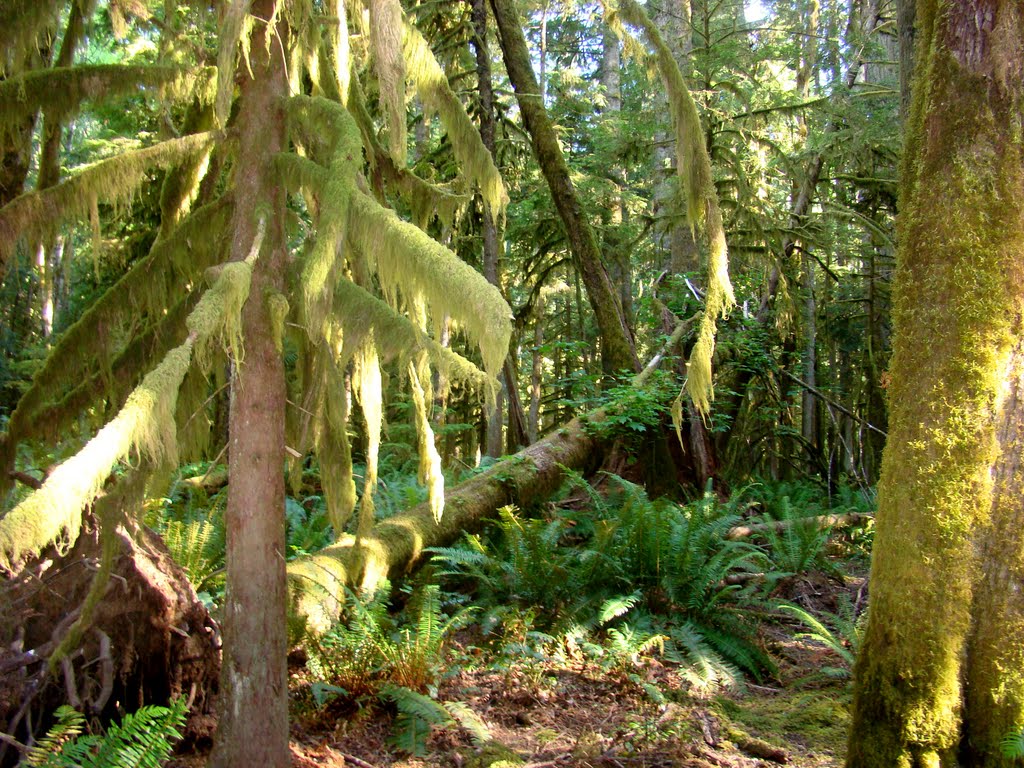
{"type": "Point", "coordinates": [318, 581]}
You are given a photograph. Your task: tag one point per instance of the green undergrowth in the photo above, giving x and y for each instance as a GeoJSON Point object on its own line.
{"type": "Point", "coordinates": [815, 720]}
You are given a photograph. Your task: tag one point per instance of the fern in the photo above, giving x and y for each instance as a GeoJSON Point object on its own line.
{"type": "Point", "coordinates": [143, 739]}
{"type": "Point", "coordinates": [190, 544]}
{"type": "Point", "coordinates": [842, 638]}
{"type": "Point", "coordinates": [799, 546]}
{"type": "Point", "coordinates": [1012, 746]}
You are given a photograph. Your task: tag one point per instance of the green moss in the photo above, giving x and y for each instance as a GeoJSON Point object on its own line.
{"type": "Point", "coordinates": [818, 720]}
{"type": "Point", "coordinates": [39, 215]}
{"type": "Point", "coordinates": [60, 92]}
{"type": "Point", "coordinates": [386, 43]}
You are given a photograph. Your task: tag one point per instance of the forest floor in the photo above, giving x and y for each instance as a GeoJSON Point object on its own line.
{"type": "Point", "coordinates": [543, 714]}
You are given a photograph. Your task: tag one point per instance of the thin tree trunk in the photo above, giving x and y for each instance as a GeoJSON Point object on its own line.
{"type": "Point", "coordinates": [618, 351]}
{"type": "Point", "coordinates": [253, 728]}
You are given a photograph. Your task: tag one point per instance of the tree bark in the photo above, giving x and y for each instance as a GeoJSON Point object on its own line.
{"type": "Point", "coordinates": [949, 469]}
{"type": "Point", "coordinates": [618, 350]}
{"type": "Point", "coordinates": [253, 729]}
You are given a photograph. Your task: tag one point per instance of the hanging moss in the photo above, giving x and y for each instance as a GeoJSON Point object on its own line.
{"type": "Point", "coordinates": [409, 260]}
{"type": "Point", "coordinates": [396, 337]}
{"type": "Point", "coordinates": [158, 281]}
{"type": "Point", "coordinates": [475, 160]}
{"type": "Point", "coordinates": [236, 29]}
{"type": "Point", "coordinates": [694, 165]}
{"type": "Point", "coordinates": [389, 64]}
{"type": "Point", "coordinates": [218, 315]}
{"type": "Point", "coordinates": [23, 23]}
{"type": "Point", "coordinates": [335, 190]}
{"type": "Point", "coordinates": [39, 215]}
{"type": "Point", "coordinates": [341, 55]}
{"type": "Point", "coordinates": [430, 461]}
{"type": "Point", "coordinates": [61, 92]}
{"type": "Point", "coordinates": [145, 425]}
{"type": "Point", "coordinates": [335, 453]}
{"type": "Point", "coordinates": [368, 387]}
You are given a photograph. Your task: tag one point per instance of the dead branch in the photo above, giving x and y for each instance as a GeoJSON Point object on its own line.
{"type": "Point", "coordinates": [821, 522]}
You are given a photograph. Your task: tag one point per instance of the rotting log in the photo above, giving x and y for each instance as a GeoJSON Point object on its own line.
{"type": "Point", "coordinates": [149, 639]}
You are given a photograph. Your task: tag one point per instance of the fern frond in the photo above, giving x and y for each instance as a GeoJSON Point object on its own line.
{"type": "Point", "coordinates": [470, 721]}
{"type": "Point", "coordinates": [411, 702]}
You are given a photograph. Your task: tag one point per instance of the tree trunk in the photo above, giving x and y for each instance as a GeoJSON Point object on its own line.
{"type": "Point", "coordinates": [950, 467]}
{"type": "Point", "coordinates": [618, 352]}
{"type": "Point", "coordinates": [253, 729]}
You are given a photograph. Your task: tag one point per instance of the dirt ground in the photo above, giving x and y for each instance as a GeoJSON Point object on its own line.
{"type": "Point", "coordinates": [542, 714]}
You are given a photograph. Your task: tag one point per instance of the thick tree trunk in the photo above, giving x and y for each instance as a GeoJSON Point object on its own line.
{"type": "Point", "coordinates": [253, 729]}
{"type": "Point", "coordinates": [950, 467]}
{"type": "Point", "coordinates": [618, 351]}
{"type": "Point", "coordinates": [994, 696]}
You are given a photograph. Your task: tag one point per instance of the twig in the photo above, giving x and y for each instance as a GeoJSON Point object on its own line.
{"type": "Point", "coordinates": [356, 761]}
{"type": "Point", "coordinates": [13, 742]}
{"type": "Point", "coordinates": [829, 401]}
{"type": "Point", "coordinates": [26, 479]}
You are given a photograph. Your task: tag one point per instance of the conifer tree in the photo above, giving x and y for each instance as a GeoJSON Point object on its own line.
{"type": "Point", "coordinates": [221, 284]}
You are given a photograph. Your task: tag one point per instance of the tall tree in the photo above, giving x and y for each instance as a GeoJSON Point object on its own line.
{"type": "Point", "coordinates": [939, 678]}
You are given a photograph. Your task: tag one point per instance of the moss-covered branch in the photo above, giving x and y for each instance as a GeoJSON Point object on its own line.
{"type": "Point", "coordinates": [145, 427]}
{"type": "Point", "coordinates": [158, 281]}
{"type": "Point", "coordinates": [39, 215]}
{"type": "Point", "coordinates": [62, 91]}
{"type": "Point", "coordinates": [409, 260]}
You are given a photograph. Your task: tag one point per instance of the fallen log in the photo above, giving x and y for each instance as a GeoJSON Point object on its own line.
{"type": "Point", "coordinates": [847, 520]}
{"type": "Point", "coordinates": [317, 581]}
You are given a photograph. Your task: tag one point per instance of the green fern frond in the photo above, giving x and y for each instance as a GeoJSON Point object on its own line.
{"type": "Point", "coordinates": [469, 720]}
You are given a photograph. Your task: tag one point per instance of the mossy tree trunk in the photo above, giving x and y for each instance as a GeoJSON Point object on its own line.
{"type": "Point", "coordinates": [253, 728]}
{"type": "Point", "coordinates": [618, 351]}
{"type": "Point", "coordinates": [948, 540]}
